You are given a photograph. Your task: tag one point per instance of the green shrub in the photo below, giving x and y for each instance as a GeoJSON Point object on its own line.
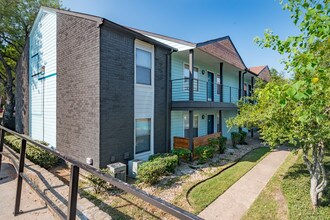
{"type": "Point", "coordinates": [33, 153]}
{"type": "Point", "coordinates": [204, 153]}
{"type": "Point", "coordinates": [182, 153]}
{"type": "Point", "coordinates": [243, 137]}
{"type": "Point", "coordinates": [150, 172]}
{"type": "Point", "coordinates": [213, 142]}
{"type": "Point", "coordinates": [155, 156]}
{"type": "Point", "coordinates": [235, 138]}
{"type": "Point", "coordinates": [97, 183]}
{"type": "Point", "coordinates": [222, 144]}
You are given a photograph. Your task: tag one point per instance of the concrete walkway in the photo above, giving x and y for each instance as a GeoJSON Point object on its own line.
{"type": "Point", "coordinates": [30, 204]}
{"type": "Point", "coordinates": [240, 196]}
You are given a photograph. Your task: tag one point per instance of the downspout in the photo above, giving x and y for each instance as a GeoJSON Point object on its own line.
{"type": "Point", "coordinates": [168, 101]}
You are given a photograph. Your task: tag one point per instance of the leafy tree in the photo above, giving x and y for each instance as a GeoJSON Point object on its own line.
{"type": "Point", "coordinates": [297, 111]}
{"type": "Point", "coordinates": [16, 20]}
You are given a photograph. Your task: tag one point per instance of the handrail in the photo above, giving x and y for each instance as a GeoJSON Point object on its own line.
{"type": "Point", "coordinates": [75, 165]}
{"type": "Point", "coordinates": [200, 80]}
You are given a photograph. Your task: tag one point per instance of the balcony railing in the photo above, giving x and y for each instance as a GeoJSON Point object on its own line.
{"type": "Point", "coordinates": [203, 91]}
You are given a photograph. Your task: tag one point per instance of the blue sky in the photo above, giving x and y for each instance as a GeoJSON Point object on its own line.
{"type": "Point", "coordinates": [201, 20]}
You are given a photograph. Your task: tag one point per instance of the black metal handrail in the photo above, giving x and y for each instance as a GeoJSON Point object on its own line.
{"type": "Point", "coordinates": [74, 177]}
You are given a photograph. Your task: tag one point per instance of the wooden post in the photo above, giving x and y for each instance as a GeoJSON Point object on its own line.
{"type": "Point", "coordinates": [191, 132]}
{"type": "Point", "coordinates": [191, 75]}
{"type": "Point", "coordinates": [221, 82]}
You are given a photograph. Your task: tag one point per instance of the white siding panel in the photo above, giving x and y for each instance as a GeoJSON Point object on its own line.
{"type": "Point", "coordinates": [43, 86]}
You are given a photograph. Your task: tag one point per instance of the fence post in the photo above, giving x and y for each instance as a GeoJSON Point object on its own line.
{"type": "Point", "coordinates": [2, 135]}
{"type": "Point", "coordinates": [19, 178]}
{"type": "Point", "coordinates": [73, 193]}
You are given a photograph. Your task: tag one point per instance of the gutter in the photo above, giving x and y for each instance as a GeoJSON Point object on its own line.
{"type": "Point", "coordinates": [168, 100]}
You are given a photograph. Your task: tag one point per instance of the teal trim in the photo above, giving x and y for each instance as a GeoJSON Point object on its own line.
{"type": "Point", "coordinates": [45, 77]}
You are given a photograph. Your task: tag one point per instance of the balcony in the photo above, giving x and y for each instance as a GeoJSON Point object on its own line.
{"type": "Point", "coordinates": [205, 94]}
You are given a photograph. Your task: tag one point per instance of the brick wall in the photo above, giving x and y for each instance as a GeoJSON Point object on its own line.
{"type": "Point", "coordinates": [22, 92]}
{"type": "Point", "coordinates": [78, 81]}
{"type": "Point", "coordinates": [117, 95]}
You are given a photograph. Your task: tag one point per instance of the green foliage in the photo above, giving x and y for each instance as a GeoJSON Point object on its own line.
{"type": "Point", "coordinates": [182, 153]}
{"type": "Point", "coordinates": [97, 183]}
{"type": "Point", "coordinates": [297, 111]}
{"type": "Point", "coordinates": [222, 144]}
{"type": "Point", "coordinates": [235, 138]}
{"type": "Point", "coordinates": [151, 171]}
{"type": "Point", "coordinates": [243, 137]}
{"type": "Point", "coordinates": [33, 153]}
{"type": "Point", "coordinates": [204, 153]}
{"type": "Point", "coordinates": [16, 20]}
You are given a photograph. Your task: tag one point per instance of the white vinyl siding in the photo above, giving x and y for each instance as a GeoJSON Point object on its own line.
{"type": "Point", "coordinates": [144, 94]}
{"type": "Point", "coordinates": [43, 78]}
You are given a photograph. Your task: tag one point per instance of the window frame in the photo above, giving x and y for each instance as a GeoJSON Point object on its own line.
{"type": "Point", "coordinates": [148, 48]}
{"type": "Point", "coordinates": [150, 133]}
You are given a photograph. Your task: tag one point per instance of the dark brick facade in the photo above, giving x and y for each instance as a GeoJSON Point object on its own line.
{"type": "Point", "coordinates": [78, 82]}
{"type": "Point", "coordinates": [22, 92]}
{"type": "Point", "coordinates": [117, 95]}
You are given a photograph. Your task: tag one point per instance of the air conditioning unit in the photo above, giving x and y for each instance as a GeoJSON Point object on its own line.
{"type": "Point", "coordinates": [133, 166]}
{"type": "Point", "coordinates": [118, 170]}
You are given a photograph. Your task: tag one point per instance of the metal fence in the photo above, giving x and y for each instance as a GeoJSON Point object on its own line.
{"type": "Point", "coordinates": [74, 178]}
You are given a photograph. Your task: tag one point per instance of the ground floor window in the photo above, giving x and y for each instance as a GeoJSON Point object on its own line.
{"type": "Point", "coordinates": [143, 135]}
{"type": "Point", "coordinates": [186, 125]}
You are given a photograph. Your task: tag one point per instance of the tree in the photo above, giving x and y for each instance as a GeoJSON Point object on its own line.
{"type": "Point", "coordinates": [297, 111]}
{"type": "Point", "coordinates": [16, 20]}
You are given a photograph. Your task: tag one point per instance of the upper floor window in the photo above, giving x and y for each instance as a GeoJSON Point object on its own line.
{"type": "Point", "coordinates": [143, 67]}
{"type": "Point", "coordinates": [186, 78]}
{"type": "Point", "coordinates": [218, 84]}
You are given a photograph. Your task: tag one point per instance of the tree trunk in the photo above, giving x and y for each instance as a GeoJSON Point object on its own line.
{"type": "Point", "coordinates": [313, 191]}
{"type": "Point", "coordinates": [9, 117]}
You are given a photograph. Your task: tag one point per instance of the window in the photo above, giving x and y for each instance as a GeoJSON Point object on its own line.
{"type": "Point", "coordinates": [143, 67]}
{"type": "Point", "coordinates": [218, 84]}
{"type": "Point", "coordinates": [186, 125]}
{"type": "Point", "coordinates": [186, 78]}
{"type": "Point", "coordinates": [143, 135]}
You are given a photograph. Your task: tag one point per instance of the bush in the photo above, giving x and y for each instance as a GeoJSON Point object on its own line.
{"type": "Point", "coordinates": [33, 153]}
{"type": "Point", "coordinates": [204, 153]}
{"type": "Point", "coordinates": [243, 137]}
{"type": "Point", "coordinates": [222, 144]}
{"type": "Point", "coordinates": [235, 138]}
{"type": "Point", "coordinates": [150, 172]}
{"type": "Point", "coordinates": [182, 153]}
{"type": "Point", "coordinates": [97, 183]}
{"type": "Point", "coordinates": [213, 142]}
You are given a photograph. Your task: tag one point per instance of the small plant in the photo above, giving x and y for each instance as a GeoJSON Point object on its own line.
{"type": "Point", "coordinates": [97, 183]}
{"type": "Point", "coordinates": [204, 153]}
{"type": "Point", "coordinates": [243, 137]}
{"type": "Point", "coordinates": [222, 144]}
{"type": "Point", "coordinates": [213, 142]}
{"type": "Point", "coordinates": [151, 171]}
{"type": "Point", "coordinates": [182, 153]}
{"type": "Point", "coordinates": [235, 138]}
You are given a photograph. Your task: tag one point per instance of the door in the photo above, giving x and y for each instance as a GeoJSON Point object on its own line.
{"type": "Point", "coordinates": [210, 124]}
{"type": "Point", "coordinates": [210, 87]}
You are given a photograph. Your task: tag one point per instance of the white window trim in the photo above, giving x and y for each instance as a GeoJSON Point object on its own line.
{"type": "Point", "coordinates": [138, 44]}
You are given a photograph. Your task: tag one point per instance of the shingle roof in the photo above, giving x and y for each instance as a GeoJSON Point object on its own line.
{"type": "Point", "coordinates": [262, 72]}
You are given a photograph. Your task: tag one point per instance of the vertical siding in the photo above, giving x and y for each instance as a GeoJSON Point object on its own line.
{"type": "Point", "coordinates": [43, 87]}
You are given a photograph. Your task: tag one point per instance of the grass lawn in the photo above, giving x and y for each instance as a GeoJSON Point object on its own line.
{"type": "Point", "coordinates": [286, 196]}
{"type": "Point", "coordinates": [205, 193]}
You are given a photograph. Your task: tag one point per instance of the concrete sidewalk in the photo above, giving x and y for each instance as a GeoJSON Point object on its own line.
{"type": "Point", "coordinates": [30, 204]}
{"type": "Point", "coordinates": [240, 196]}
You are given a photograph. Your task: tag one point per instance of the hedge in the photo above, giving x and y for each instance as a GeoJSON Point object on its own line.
{"type": "Point", "coordinates": [33, 153]}
{"type": "Point", "coordinates": [158, 165]}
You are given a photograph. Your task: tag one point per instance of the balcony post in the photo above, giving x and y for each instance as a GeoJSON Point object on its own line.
{"type": "Point", "coordinates": [252, 85]}
{"type": "Point", "coordinates": [221, 82]}
{"type": "Point", "coordinates": [191, 75]}
{"type": "Point", "coordinates": [239, 84]}
{"type": "Point", "coordinates": [191, 133]}
{"type": "Point", "coordinates": [220, 122]}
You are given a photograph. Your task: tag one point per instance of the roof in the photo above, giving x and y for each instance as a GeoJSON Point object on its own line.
{"type": "Point", "coordinates": [262, 72]}
{"type": "Point", "coordinates": [102, 21]}
{"type": "Point", "coordinates": [222, 48]}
